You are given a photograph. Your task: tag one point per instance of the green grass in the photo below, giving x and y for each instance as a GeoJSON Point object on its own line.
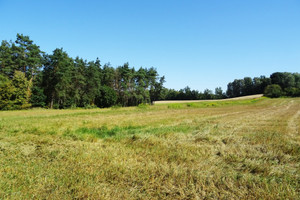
{"type": "Point", "coordinates": [243, 149]}
{"type": "Point", "coordinates": [213, 103]}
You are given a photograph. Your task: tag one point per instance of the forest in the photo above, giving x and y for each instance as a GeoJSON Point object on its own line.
{"type": "Point", "coordinates": [30, 77]}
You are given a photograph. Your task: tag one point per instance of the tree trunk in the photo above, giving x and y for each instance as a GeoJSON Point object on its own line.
{"type": "Point", "coordinates": [51, 103]}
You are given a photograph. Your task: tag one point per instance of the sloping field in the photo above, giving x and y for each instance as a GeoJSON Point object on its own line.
{"type": "Point", "coordinates": [242, 149]}
{"type": "Point", "coordinates": [193, 101]}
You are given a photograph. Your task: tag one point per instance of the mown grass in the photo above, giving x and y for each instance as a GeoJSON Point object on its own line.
{"type": "Point", "coordinates": [246, 149]}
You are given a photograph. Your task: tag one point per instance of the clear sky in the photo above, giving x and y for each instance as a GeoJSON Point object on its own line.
{"type": "Point", "coordinates": [199, 43]}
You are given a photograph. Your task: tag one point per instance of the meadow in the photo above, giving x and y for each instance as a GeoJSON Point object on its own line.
{"type": "Point", "coordinates": [242, 149]}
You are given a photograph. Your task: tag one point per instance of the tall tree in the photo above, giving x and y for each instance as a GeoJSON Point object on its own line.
{"type": "Point", "coordinates": [58, 79]}
{"type": "Point", "coordinates": [229, 91]}
{"type": "Point", "coordinates": [38, 98]}
{"type": "Point", "coordinates": [248, 86]}
{"type": "Point", "coordinates": [93, 82]}
{"type": "Point", "coordinates": [156, 89]}
{"type": "Point", "coordinates": [79, 82]}
{"type": "Point", "coordinates": [208, 94]}
{"type": "Point", "coordinates": [108, 76]}
{"type": "Point", "coordinates": [297, 80]}
{"type": "Point", "coordinates": [7, 66]}
{"type": "Point", "coordinates": [28, 56]}
{"type": "Point", "coordinates": [219, 93]}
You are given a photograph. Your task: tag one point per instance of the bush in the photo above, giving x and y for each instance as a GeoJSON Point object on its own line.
{"type": "Point", "coordinates": [273, 91]}
{"type": "Point", "coordinates": [107, 98]}
{"type": "Point", "coordinates": [292, 92]}
{"type": "Point", "coordinates": [15, 93]}
{"type": "Point", "coordinates": [143, 106]}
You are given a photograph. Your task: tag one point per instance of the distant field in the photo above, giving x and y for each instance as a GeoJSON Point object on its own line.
{"type": "Point", "coordinates": [193, 101]}
{"type": "Point", "coordinates": [236, 149]}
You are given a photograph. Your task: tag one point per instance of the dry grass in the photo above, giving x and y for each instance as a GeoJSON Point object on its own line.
{"type": "Point", "coordinates": [246, 149]}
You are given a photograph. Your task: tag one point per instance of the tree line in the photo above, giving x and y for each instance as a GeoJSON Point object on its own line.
{"type": "Point", "coordinates": [30, 77]}
{"type": "Point", "coordinates": [277, 85]}
{"type": "Point", "coordinates": [188, 94]}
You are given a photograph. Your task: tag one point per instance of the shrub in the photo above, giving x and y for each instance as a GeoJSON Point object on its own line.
{"type": "Point", "coordinates": [273, 91]}
{"type": "Point", "coordinates": [143, 106]}
{"type": "Point", "coordinates": [107, 98]}
{"type": "Point", "coordinates": [292, 92]}
{"type": "Point", "coordinates": [15, 93]}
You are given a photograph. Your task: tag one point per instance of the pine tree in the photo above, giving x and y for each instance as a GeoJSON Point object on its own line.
{"type": "Point", "coordinates": [6, 59]}
{"type": "Point", "coordinates": [57, 78]}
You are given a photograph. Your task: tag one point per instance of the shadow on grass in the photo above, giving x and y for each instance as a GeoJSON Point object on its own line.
{"type": "Point", "coordinates": [103, 132]}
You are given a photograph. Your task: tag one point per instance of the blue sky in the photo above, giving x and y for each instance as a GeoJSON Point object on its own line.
{"type": "Point", "coordinates": [201, 44]}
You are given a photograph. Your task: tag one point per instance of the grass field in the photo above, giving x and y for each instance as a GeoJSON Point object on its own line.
{"type": "Point", "coordinates": [243, 149]}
